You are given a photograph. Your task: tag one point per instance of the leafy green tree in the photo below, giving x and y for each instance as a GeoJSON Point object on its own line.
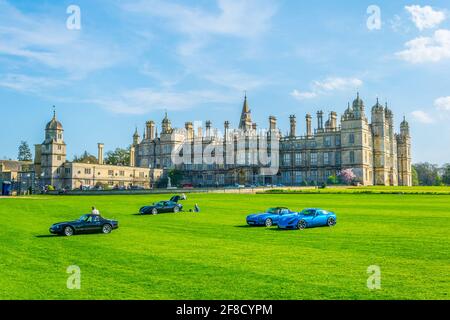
{"type": "Point", "coordinates": [427, 173]}
{"type": "Point", "coordinates": [24, 152]}
{"type": "Point", "coordinates": [446, 174]}
{"type": "Point", "coordinates": [118, 157]}
{"type": "Point", "coordinates": [85, 158]}
{"type": "Point", "coordinates": [415, 176]}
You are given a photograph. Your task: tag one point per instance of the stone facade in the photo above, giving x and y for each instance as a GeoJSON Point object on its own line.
{"type": "Point", "coordinates": [375, 153]}
{"type": "Point", "coordinates": [52, 168]}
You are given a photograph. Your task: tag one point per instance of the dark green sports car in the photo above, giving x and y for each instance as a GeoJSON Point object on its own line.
{"type": "Point", "coordinates": [88, 223]}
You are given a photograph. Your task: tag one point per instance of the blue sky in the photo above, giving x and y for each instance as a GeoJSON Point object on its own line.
{"type": "Point", "coordinates": [132, 60]}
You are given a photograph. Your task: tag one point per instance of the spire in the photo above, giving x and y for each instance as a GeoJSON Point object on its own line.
{"type": "Point", "coordinates": [246, 119]}
{"type": "Point", "coordinates": [245, 108]}
{"type": "Point", "coordinates": [136, 133]}
{"type": "Point", "coordinates": [54, 112]}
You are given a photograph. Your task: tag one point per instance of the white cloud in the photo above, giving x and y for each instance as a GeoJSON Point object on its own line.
{"type": "Point", "coordinates": [46, 42]}
{"type": "Point", "coordinates": [422, 117]}
{"type": "Point", "coordinates": [24, 83]}
{"type": "Point", "coordinates": [144, 100]}
{"type": "Point", "coordinates": [303, 95]}
{"type": "Point", "coordinates": [442, 103]}
{"type": "Point", "coordinates": [427, 49]}
{"type": "Point", "coordinates": [246, 18]}
{"type": "Point", "coordinates": [330, 84]}
{"type": "Point", "coordinates": [333, 83]}
{"type": "Point", "coordinates": [425, 17]}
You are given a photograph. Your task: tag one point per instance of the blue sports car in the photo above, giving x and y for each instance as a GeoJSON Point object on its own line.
{"type": "Point", "coordinates": [308, 218]}
{"type": "Point", "coordinates": [269, 218]}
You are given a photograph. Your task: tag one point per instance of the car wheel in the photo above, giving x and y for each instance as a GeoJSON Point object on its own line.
{"type": "Point", "coordinates": [154, 211]}
{"type": "Point", "coordinates": [106, 229]}
{"type": "Point", "coordinates": [68, 231]}
{"type": "Point", "coordinates": [176, 210]}
{"type": "Point", "coordinates": [269, 223]}
{"type": "Point", "coordinates": [301, 225]}
{"type": "Point", "coordinates": [331, 222]}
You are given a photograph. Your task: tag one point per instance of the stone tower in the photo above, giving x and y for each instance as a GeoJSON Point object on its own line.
{"type": "Point", "coordinates": [356, 145]}
{"type": "Point", "coordinates": [404, 155]}
{"type": "Point", "coordinates": [391, 148]}
{"type": "Point", "coordinates": [53, 154]}
{"type": "Point", "coordinates": [380, 133]}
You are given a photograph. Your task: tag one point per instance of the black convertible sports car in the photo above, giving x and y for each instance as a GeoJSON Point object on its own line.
{"type": "Point", "coordinates": [88, 223]}
{"type": "Point", "coordinates": [162, 207]}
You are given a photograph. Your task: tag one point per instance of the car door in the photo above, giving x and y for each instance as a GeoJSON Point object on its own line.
{"type": "Point", "coordinates": [321, 218]}
{"type": "Point", "coordinates": [97, 224]}
{"type": "Point", "coordinates": [165, 207]}
{"type": "Point", "coordinates": [312, 218]}
{"type": "Point", "coordinates": [281, 214]}
{"type": "Point", "coordinates": [91, 224]}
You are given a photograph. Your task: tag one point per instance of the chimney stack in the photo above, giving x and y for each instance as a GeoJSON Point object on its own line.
{"type": "Point", "coordinates": [272, 123]}
{"type": "Point", "coordinates": [208, 129]}
{"type": "Point", "coordinates": [189, 130]}
{"type": "Point", "coordinates": [150, 133]}
{"type": "Point", "coordinates": [132, 156]}
{"type": "Point", "coordinates": [100, 153]}
{"type": "Point", "coordinates": [308, 126]}
{"type": "Point", "coordinates": [333, 122]}
{"type": "Point", "coordinates": [320, 120]}
{"type": "Point", "coordinates": [293, 121]}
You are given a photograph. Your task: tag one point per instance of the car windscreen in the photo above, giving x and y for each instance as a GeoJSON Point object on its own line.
{"type": "Point", "coordinates": [84, 217]}
{"type": "Point", "coordinates": [273, 210]}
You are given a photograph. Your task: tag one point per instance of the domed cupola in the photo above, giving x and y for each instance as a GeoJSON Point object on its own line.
{"type": "Point", "coordinates": [377, 108]}
{"type": "Point", "coordinates": [358, 104]}
{"type": "Point", "coordinates": [166, 125]}
{"type": "Point", "coordinates": [54, 124]}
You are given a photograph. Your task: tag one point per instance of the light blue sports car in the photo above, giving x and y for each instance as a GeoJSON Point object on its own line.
{"type": "Point", "coordinates": [308, 218]}
{"type": "Point", "coordinates": [269, 218]}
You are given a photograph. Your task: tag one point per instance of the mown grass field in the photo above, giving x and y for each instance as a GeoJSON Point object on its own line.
{"type": "Point", "coordinates": [214, 255]}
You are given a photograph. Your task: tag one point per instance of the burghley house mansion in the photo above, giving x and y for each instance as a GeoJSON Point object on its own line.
{"type": "Point", "coordinates": [372, 149]}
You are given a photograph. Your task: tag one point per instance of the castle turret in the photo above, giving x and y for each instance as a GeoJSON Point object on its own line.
{"type": "Point", "coordinates": [404, 155]}
{"type": "Point", "coordinates": [136, 137]}
{"type": "Point", "coordinates": [53, 154]}
{"type": "Point", "coordinates": [356, 142]}
{"type": "Point", "coordinates": [166, 125]}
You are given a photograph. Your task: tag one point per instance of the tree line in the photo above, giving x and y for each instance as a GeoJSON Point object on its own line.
{"type": "Point", "coordinates": [428, 174]}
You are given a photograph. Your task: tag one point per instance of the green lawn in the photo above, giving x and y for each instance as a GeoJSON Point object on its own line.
{"type": "Point", "coordinates": [213, 255]}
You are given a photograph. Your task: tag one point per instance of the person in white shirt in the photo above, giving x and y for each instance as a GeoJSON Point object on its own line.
{"type": "Point", "coordinates": [95, 211]}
